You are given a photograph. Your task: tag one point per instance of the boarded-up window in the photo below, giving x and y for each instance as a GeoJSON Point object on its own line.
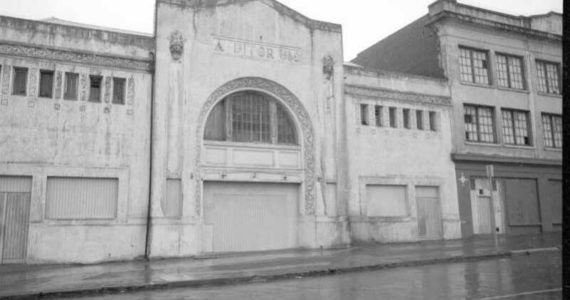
{"type": "Point", "coordinates": [95, 88]}
{"type": "Point", "coordinates": [250, 117]}
{"type": "Point", "coordinates": [386, 201]}
{"type": "Point", "coordinates": [81, 198]}
{"type": "Point", "coordinates": [20, 81]}
{"type": "Point", "coordinates": [46, 84]}
{"type": "Point", "coordinates": [118, 90]}
{"type": "Point", "coordinates": [522, 202]}
{"type": "Point", "coordinates": [555, 199]}
{"type": "Point", "coordinates": [172, 203]}
{"type": "Point", "coordinates": [70, 86]}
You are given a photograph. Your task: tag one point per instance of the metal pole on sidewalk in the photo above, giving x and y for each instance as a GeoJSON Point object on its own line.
{"type": "Point", "coordinates": [490, 175]}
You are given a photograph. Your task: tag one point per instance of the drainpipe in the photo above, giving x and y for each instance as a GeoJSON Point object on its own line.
{"type": "Point", "coordinates": [152, 84]}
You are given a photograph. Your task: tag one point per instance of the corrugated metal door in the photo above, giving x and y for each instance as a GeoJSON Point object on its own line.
{"type": "Point", "coordinates": [251, 216]}
{"type": "Point", "coordinates": [430, 225]}
{"type": "Point", "coordinates": [14, 218]}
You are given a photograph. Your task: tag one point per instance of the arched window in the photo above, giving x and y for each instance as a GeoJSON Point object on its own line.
{"type": "Point", "coordinates": [250, 117]}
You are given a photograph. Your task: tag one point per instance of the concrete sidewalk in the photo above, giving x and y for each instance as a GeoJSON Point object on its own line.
{"type": "Point", "coordinates": [29, 281]}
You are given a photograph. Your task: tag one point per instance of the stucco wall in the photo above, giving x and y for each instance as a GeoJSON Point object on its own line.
{"type": "Point", "coordinates": [208, 62]}
{"type": "Point", "coordinates": [53, 137]}
{"type": "Point", "coordinates": [399, 156]}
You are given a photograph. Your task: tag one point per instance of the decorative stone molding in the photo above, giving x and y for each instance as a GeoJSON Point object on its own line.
{"type": "Point", "coordinates": [108, 81]}
{"type": "Point", "coordinates": [368, 92]}
{"type": "Point", "coordinates": [33, 82]}
{"type": "Point", "coordinates": [75, 57]}
{"type": "Point", "coordinates": [131, 91]}
{"type": "Point", "coordinates": [176, 45]}
{"type": "Point", "coordinates": [292, 102]}
{"type": "Point", "coordinates": [6, 74]}
{"type": "Point", "coordinates": [328, 66]}
{"type": "Point", "coordinates": [83, 87]}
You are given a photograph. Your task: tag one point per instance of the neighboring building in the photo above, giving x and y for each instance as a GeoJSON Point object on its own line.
{"type": "Point", "coordinates": [504, 73]}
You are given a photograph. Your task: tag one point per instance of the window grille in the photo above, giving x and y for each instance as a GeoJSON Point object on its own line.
{"type": "Point", "coordinates": [250, 117]}
{"type": "Point", "coordinates": [95, 88]}
{"type": "Point", "coordinates": [552, 128]}
{"type": "Point", "coordinates": [473, 65]}
{"type": "Point", "coordinates": [510, 71]}
{"type": "Point", "coordinates": [516, 127]}
{"type": "Point", "coordinates": [479, 124]}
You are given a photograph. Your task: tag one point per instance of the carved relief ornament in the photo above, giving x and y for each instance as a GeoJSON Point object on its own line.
{"type": "Point", "coordinates": [176, 45]}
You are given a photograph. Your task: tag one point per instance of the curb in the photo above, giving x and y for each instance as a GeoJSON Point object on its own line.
{"type": "Point", "coordinates": [244, 279]}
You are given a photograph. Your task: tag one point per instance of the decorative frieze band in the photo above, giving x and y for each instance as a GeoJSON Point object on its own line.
{"type": "Point", "coordinates": [75, 57]}
{"type": "Point", "coordinates": [361, 91]}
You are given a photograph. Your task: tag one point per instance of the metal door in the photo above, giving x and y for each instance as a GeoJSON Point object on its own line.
{"type": "Point", "coordinates": [430, 225]}
{"type": "Point", "coordinates": [14, 218]}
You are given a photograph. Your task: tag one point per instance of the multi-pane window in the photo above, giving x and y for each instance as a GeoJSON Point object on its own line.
{"type": "Point", "coordinates": [71, 80]}
{"type": "Point", "coordinates": [479, 124]}
{"type": "Point", "coordinates": [20, 82]}
{"type": "Point", "coordinates": [516, 127]}
{"type": "Point", "coordinates": [118, 90]}
{"type": "Point", "coordinates": [510, 71]}
{"type": "Point", "coordinates": [364, 114]}
{"type": "Point", "coordinates": [46, 83]}
{"type": "Point", "coordinates": [552, 127]}
{"type": "Point", "coordinates": [420, 119]}
{"type": "Point", "coordinates": [378, 115]}
{"type": "Point", "coordinates": [95, 88]}
{"type": "Point", "coordinates": [406, 119]}
{"type": "Point", "coordinates": [548, 77]}
{"type": "Point", "coordinates": [392, 115]}
{"type": "Point", "coordinates": [432, 121]}
{"type": "Point", "coordinates": [473, 65]}
{"type": "Point", "coordinates": [251, 117]}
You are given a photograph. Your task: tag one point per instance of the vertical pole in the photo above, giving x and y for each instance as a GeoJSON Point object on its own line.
{"type": "Point", "coordinates": [490, 175]}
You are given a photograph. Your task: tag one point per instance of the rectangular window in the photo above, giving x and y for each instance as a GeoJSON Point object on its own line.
{"type": "Point", "coordinates": [406, 115]}
{"type": "Point", "coordinates": [378, 115]}
{"type": "Point", "coordinates": [71, 80]}
{"type": "Point", "coordinates": [510, 71]}
{"type": "Point", "coordinates": [46, 84]}
{"type": "Point", "coordinates": [516, 127]}
{"type": "Point", "coordinates": [548, 77]}
{"type": "Point", "coordinates": [20, 81]}
{"type": "Point", "coordinates": [118, 90]}
{"type": "Point", "coordinates": [420, 119]}
{"type": "Point", "coordinates": [393, 121]}
{"type": "Point", "coordinates": [69, 198]}
{"type": "Point", "coordinates": [552, 128]}
{"type": "Point", "coordinates": [364, 114]}
{"type": "Point", "coordinates": [473, 65]}
{"type": "Point", "coordinates": [95, 88]}
{"type": "Point", "coordinates": [432, 121]}
{"type": "Point", "coordinates": [479, 124]}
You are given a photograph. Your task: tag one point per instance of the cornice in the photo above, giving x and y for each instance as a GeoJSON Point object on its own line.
{"type": "Point", "coordinates": [519, 161]}
{"type": "Point", "coordinates": [413, 98]}
{"type": "Point", "coordinates": [71, 56]}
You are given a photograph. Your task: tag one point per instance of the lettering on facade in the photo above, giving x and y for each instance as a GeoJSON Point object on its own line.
{"type": "Point", "coordinates": [256, 50]}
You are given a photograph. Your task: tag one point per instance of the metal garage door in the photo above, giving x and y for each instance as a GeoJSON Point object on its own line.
{"type": "Point", "coordinates": [14, 218]}
{"type": "Point", "coordinates": [251, 216]}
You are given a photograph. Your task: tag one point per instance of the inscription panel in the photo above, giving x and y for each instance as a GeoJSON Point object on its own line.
{"type": "Point", "coordinates": [256, 50]}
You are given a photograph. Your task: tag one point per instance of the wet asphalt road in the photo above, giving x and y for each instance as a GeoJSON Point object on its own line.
{"type": "Point", "coordinates": [537, 276]}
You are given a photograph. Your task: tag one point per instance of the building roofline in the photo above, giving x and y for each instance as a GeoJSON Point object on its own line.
{"type": "Point", "coordinates": [311, 23]}
{"type": "Point", "coordinates": [58, 21]}
{"type": "Point", "coordinates": [356, 69]}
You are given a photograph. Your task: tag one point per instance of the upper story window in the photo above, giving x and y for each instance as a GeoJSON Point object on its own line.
{"type": "Point", "coordinates": [516, 127]}
{"type": "Point", "coordinates": [510, 71]}
{"type": "Point", "coordinates": [70, 89]}
{"type": "Point", "coordinates": [406, 118]}
{"type": "Point", "coordinates": [479, 124]}
{"type": "Point", "coordinates": [548, 77]}
{"type": "Point", "coordinates": [420, 119]}
{"type": "Point", "coordinates": [474, 66]}
{"type": "Point", "coordinates": [251, 117]}
{"type": "Point", "coordinates": [378, 115]}
{"type": "Point", "coordinates": [364, 114]}
{"type": "Point", "coordinates": [118, 90]}
{"type": "Point", "coordinates": [392, 116]}
{"type": "Point", "coordinates": [95, 88]}
{"type": "Point", "coordinates": [552, 127]}
{"type": "Point", "coordinates": [20, 82]}
{"type": "Point", "coordinates": [432, 121]}
{"type": "Point", "coordinates": [46, 83]}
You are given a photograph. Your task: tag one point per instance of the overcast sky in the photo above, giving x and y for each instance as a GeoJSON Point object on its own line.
{"type": "Point", "coordinates": [364, 21]}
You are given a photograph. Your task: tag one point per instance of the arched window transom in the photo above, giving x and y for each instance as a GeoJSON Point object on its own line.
{"type": "Point", "coordinates": [251, 117]}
